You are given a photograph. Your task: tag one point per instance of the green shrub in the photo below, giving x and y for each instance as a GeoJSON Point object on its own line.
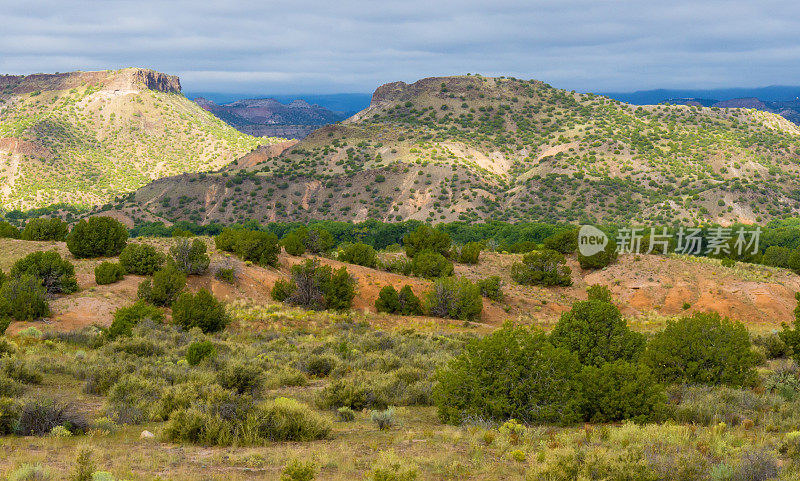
{"type": "Point", "coordinates": [108, 273]}
{"type": "Point", "coordinates": [84, 466]}
{"type": "Point", "coordinates": [31, 472]}
{"type": "Point", "coordinates": [601, 259]}
{"type": "Point", "coordinates": [10, 387]}
{"type": "Point", "coordinates": [453, 298]}
{"type": "Point", "coordinates": [141, 259]}
{"type": "Point", "coordinates": [164, 288]}
{"type": "Point", "coordinates": [316, 286]}
{"type": "Point", "coordinates": [56, 274]}
{"type": "Point", "coordinates": [359, 254]}
{"type": "Point", "coordinates": [469, 253]}
{"type": "Point", "coordinates": [190, 258]}
{"type": "Point", "coordinates": [754, 464]}
{"type": "Point", "coordinates": [259, 247]}
{"type": "Point", "coordinates": [512, 373]}
{"type": "Point", "coordinates": [9, 415]}
{"type": "Point", "coordinates": [772, 345]}
{"type": "Point", "coordinates": [398, 265]}
{"type": "Point", "coordinates": [565, 242]}
{"type": "Point", "coordinates": [794, 261]}
{"type": "Point", "coordinates": [431, 265]}
{"type": "Point", "coordinates": [276, 421]}
{"type": "Point", "coordinates": [575, 463]}
{"type": "Point", "coordinates": [388, 300]}
{"type": "Point", "coordinates": [316, 239]}
{"type": "Point", "coordinates": [5, 321]}
{"type": "Point", "coordinates": [226, 274]}
{"type": "Point", "coordinates": [383, 419]}
{"type": "Point", "coordinates": [126, 318]}
{"type": "Point", "coordinates": [777, 256]}
{"type": "Point", "coordinates": [201, 310]}
{"type": "Point", "coordinates": [39, 416]}
{"type": "Point", "coordinates": [339, 290]}
{"type": "Point", "coordinates": [703, 349]}
{"type": "Point", "coordinates": [23, 298]}
{"type": "Point", "coordinates": [352, 393]}
{"type": "Point", "coordinates": [492, 288]}
{"type": "Point", "coordinates": [545, 268]}
{"type": "Point", "coordinates": [404, 302]}
{"type": "Point", "coordinates": [321, 366]}
{"type": "Point", "coordinates": [410, 304]}
{"type": "Point", "coordinates": [42, 229]}
{"type": "Point", "coordinates": [8, 231]}
{"type": "Point", "coordinates": [97, 237]}
{"type": "Point", "coordinates": [226, 240]}
{"type": "Point", "coordinates": [283, 289]}
{"type": "Point", "coordinates": [298, 470]}
{"type": "Point", "coordinates": [390, 467]}
{"type": "Point", "coordinates": [293, 244]}
{"type": "Point", "coordinates": [289, 420]}
{"type": "Point", "coordinates": [619, 390]}
{"type": "Point", "coordinates": [599, 293]}
{"type": "Point", "coordinates": [131, 399]}
{"type": "Point", "coordinates": [791, 335]}
{"type": "Point", "coordinates": [425, 239]}
{"type": "Point", "coordinates": [711, 405]}
{"type": "Point", "coordinates": [345, 414]}
{"type": "Point", "coordinates": [783, 382]}
{"type": "Point", "coordinates": [199, 351]}
{"type": "Point", "coordinates": [242, 377]}
{"type": "Point", "coordinates": [596, 333]}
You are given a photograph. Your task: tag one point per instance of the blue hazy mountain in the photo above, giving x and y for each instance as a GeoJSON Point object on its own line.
{"type": "Point", "coordinates": [657, 96]}
{"type": "Point", "coordinates": [345, 103]}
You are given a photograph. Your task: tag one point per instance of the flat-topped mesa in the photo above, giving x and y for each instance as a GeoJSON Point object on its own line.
{"type": "Point", "coordinates": [123, 79]}
{"type": "Point", "coordinates": [401, 91]}
{"type": "Point", "coordinates": [469, 85]}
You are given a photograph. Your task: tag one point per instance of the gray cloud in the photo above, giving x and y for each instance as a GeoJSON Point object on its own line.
{"type": "Point", "coordinates": [324, 46]}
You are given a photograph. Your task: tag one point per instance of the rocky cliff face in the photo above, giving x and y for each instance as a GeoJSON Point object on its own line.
{"type": "Point", "coordinates": [124, 79]}
{"type": "Point", "coordinates": [152, 80]}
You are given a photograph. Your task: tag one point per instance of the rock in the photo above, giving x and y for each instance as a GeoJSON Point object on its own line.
{"type": "Point", "coordinates": [146, 435]}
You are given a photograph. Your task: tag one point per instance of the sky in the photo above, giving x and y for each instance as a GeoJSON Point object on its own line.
{"type": "Point", "coordinates": [335, 46]}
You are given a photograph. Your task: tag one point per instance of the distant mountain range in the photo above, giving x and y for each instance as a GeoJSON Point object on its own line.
{"type": "Point", "coordinates": [336, 102]}
{"type": "Point", "coordinates": [657, 96]}
{"type": "Point", "coordinates": [269, 117]}
{"type": "Point", "coordinates": [784, 101]}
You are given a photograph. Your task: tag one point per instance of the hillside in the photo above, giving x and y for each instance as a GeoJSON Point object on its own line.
{"type": "Point", "coordinates": [788, 109]}
{"type": "Point", "coordinates": [649, 289]}
{"type": "Point", "coordinates": [269, 117]}
{"type": "Point", "coordinates": [85, 137]}
{"type": "Point", "coordinates": [475, 148]}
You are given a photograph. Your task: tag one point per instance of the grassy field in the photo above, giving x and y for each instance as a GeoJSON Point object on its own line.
{"type": "Point", "coordinates": [711, 430]}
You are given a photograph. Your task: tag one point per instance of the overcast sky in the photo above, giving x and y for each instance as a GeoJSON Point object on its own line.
{"type": "Point", "coordinates": [329, 46]}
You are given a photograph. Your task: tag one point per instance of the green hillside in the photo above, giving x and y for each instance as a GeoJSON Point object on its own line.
{"type": "Point", "coordinates": [84, 138]}
{"type": "Point", "coordinates": [474, 148]}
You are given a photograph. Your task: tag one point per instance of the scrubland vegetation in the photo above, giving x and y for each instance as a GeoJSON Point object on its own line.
{"type": "Point", "coordinates": [87, 145]}
{"type": "Point", "coordinates": [488, 149]}
{"type": "Point", "coordinates": [319, 391]}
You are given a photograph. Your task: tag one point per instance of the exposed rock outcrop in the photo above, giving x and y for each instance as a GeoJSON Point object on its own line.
{"type": "Point", "coordinates": [124, 79]}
